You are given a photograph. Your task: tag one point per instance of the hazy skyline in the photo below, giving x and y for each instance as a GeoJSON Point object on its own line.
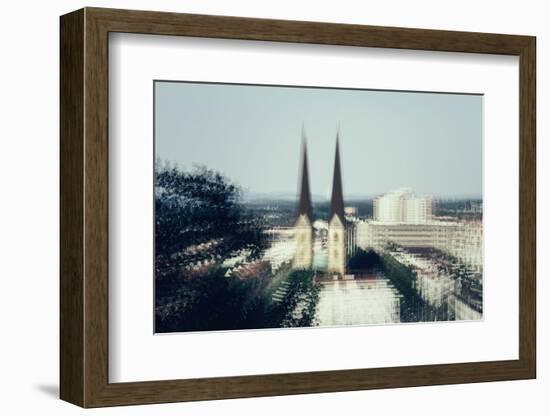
{"type": "Point", "coordinates": [430, 142]}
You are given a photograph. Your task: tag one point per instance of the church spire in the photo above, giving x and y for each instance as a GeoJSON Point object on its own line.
{"type": "Point", "coordinates": [337, 199]}
{"type": "Point", "coordinates": [304, 202]}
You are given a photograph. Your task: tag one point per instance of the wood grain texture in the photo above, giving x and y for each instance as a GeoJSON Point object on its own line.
{"type": "Point", "coordinates": [84, 207]}
{"type": "Point", "coordinates": [527, 208]}
{"type": "Point", "coordinates": [71, 209]}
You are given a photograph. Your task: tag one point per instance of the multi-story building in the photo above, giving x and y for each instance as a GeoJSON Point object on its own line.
{"type": "Point", "coordinates": [402, 207]}
{"type": "Point", "coordinates": [377, 235]}
{"type": "Point", "coordinates": [462, 240]}
{"type": "Point", "coordinates": [466, 244]}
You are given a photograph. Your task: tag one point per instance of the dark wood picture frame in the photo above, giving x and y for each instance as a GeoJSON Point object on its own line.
{"type": "Point", "coordinates": [84, 207]}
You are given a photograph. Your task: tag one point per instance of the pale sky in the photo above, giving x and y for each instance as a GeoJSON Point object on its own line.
{"type": "Point", "coordinates": [429, 142]}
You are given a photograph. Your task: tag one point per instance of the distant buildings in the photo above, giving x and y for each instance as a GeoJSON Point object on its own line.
{"type": "Point", "coordinates": [444, 253]}
{"type": "Point", "coordinates": [350, 211]}
{"type": "Point", "coordinates": [441, 282]}
{"type": "Point", "coordinates": [405, 219]}
{"type": "Point", "coordinates": [377, 235]}
{"type": "Point", "coordinates": [402, 206]}
{"type": "Point", "coordinates": [462, 240]}
{"type": "Point", "coordinates": [399, 217]}
{"type": "Point", "coordinates": [466, 244]}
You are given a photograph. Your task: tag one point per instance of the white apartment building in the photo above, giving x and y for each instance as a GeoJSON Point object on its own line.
{"type": "Point", "coordinates": [402, 207]}
{"type": "Point", "coordinates": [466, 244]}
{"type": "Point", "coordinates": [377, 235]}
{"type": "Point", "coordinates": [463, 240]}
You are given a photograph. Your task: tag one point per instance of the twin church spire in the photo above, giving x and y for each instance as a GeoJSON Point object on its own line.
{"type": "Point", "coordinates": [336, 237]}
{"type": "Point", "coordinates": [337, 197]}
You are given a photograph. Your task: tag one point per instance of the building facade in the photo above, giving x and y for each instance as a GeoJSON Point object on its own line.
{"type": "Point", "coordinates": [303, 228]}
{"type": "Point", "coordinates": [462, 240]}
{"type": "Point", "coordinates": [376, 234]}
{"type": "Point", "coordinates": [336, 243]}
{"type": "Point", "coordinates": [402, 207]}
{"type": "Point", "coordinates": [340, 235]}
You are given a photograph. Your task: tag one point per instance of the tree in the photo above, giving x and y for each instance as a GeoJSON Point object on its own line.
{"type": "Point", "coordinates": [199, 222]}
{"type": "Point", "coordinates": [212, 302]}
{"type": "Point", "coordinates": [365, 260]}
{"type": "Point", "coordinates": [198, 218]}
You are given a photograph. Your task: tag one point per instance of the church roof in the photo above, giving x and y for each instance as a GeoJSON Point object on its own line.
{"type": "Point", "coordinates": [337, 199]}
{"type": "Point", "coordinates": [304, 201]}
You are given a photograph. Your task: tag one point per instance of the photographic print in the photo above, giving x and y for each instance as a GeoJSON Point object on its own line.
{"type": "Point", "coordinates": [290, 206]}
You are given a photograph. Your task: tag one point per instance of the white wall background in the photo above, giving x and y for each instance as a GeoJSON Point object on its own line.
{"type": "Point", "coordinates": [29, 210]}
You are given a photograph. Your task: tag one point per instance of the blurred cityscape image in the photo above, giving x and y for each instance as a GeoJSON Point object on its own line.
{"type": "Point", "coordinates": [281, 207]}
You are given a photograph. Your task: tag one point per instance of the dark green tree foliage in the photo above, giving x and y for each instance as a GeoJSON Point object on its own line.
{"type": "Point", "coordinates": [402, 277]}
{"type": "Point", "coordinates": [213, 301]}
{"type": "Point", "coordinates": [365, 261]}
{"type": "Point", "coordinates": [199, 223]}
{"type": "Point", "coordinates": [297, 308]}
{"type": "Point", "coordinates": [198, 217]}
{"type": "Point", "coordinates": [413, 307]}
{"type": "Point", "coordinates": [218, 302]}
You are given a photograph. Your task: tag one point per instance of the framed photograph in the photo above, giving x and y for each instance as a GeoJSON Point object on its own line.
{"type": "Point", "coordinates": [255, 207]}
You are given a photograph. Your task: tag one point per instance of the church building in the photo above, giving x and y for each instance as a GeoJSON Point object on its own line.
{"type": "Point", "coordinates": [337, 230]}
{"type": "Point", "coordinates": [336, 242]}
{"type": "Point", "coordinates": [303, 235]}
